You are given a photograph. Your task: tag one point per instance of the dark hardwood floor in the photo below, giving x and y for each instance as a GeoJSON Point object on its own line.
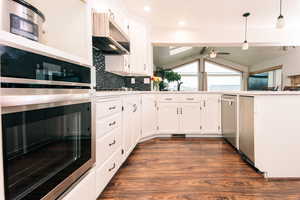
{"type": "Point", "coordinates": [192, 169]}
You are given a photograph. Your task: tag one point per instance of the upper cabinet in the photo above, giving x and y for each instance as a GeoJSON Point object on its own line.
{"type": "Point", "coordinates": [64, 30]}
{"type": "Point", "coordinates": [140, 58]}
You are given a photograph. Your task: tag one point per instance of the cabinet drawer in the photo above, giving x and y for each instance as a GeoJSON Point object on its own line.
{"type": "Point", "coordinates": [169, 98]}
{"type": "Point", "coordinates": [108, 107]}
{"type": "Point", "coordinates": [107, 171]}
{"type": "Point", "coordinates": [107, 124]}
{"type": "Point", "coordinates": [107, 145]}
{"type": "Point", "coordinates": [196, 98]}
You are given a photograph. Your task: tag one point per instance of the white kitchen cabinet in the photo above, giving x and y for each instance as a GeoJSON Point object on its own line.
{"type": "Point", "coordinates": [105, 173]}
{"type": "Point", "coordinates": [181, 118]}
{"type": "Point", "coordinates": [118, 64]}
{"type": "Point", "coordinates": [131, 123]}
{"type": "Point", "coordinates": [189, 114]}
{"type": "Point", "coordinates": [139, 49]}
{"type": "Point", "coordinates": [149, 115]}
{"type": "Point", "coordinates": [211, 115]}
{"type": "Point", "coordinates": [190, 118]}
{"type": "Point", "coordinates": [83, 189]}
{"type": "Point", "coordinates": [168, 117]}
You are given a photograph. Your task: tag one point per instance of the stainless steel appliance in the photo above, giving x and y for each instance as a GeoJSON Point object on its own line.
{"type": "Point", "coordinates": [229, 118]}
{"type": "Point", "coordinates": [108, 36]}
{"type": "Point", "coordinates": [47, 130]}
{"type": "Point", "coordinates": [23, 19]}
{"type": "Point", "coordinates": [246, 128]}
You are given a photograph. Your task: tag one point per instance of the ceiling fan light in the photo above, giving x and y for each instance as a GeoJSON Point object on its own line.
{"type": "Point", "coordinates": [245, 45]}
{"type": "Point", "coordinates": [280, 22]}
{"type": "Point", "coordinates": [213, 54]}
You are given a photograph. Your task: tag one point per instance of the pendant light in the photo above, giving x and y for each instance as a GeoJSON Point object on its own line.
{"type": "Point", "coordinates": [245, 45]}
{"type": "Point", "coordinates": [280, 20]}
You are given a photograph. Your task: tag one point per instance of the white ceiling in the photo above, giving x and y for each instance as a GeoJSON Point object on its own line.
{"type": "Point", "coordinates": [247, 58]}
{"type": "Point", "coordinates": [213, 14]}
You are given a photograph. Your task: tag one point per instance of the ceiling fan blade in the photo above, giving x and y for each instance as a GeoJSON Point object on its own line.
{"type": "Point", "coordinates": [223, 53]}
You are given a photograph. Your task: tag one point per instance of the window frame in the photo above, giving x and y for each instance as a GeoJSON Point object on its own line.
{"type": "Point", "coordinates": [206, 75]}
{"type": "Point", "coordinates": [198, 74]}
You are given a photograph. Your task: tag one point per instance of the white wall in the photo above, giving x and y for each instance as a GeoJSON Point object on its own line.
{"type": "Point", "coordinates": [290, 62]}
{"type": "Point", "coordinates": [222, 36]}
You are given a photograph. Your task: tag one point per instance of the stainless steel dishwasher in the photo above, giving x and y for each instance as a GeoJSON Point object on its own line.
{"type": "Point", "coordinates": [229, 118]}
{"type": "Point", "coordinates": [246, 128]}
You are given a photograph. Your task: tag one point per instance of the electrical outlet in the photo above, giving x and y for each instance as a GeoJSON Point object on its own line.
{"type": "Point", "coordinates": [146, 80]}
{"type": "Point", "coordinates": [132, 80]}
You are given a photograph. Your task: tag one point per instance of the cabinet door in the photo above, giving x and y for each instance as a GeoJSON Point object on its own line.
{"type": "Point", "coordinates": [136, 121]}
{"type": "Point", "coordinates": [190, 121]}
{"type": "Point", "coordinates": [127, 126]}
{"type": "Point", "coordinates": [132, 123]}
{"type": "Point", "coordinates": [149, 115]}
{"type": "Point", "coordinates": [138, 48]}
{"type": "Point", "coordinates": [168, 118]}
{"type": "Point", "coordinates": [211, 114]}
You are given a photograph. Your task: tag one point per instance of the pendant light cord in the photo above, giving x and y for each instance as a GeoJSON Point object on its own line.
{"type": "Point", "coordinates": [246, 28]}
{"type": "Point", "coordinates": [280, 7]}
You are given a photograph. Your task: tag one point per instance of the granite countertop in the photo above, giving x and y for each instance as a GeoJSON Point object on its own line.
{"type": "Point", "coordinates": [243, 93]}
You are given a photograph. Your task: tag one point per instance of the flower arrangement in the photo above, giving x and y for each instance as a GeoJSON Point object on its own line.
{"type": "Point", "coordinates": [156, 81]}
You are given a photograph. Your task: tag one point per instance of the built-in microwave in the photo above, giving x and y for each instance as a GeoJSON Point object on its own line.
{"type": "Point", "coordinates": [47, 124]}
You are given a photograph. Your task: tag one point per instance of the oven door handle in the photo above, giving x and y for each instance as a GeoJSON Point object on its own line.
{"type": "Point", "coordinates": [24, 100]}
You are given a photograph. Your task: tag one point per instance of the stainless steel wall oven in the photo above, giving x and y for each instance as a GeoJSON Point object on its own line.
{"type": "Point", "coordinates": [47, 129]}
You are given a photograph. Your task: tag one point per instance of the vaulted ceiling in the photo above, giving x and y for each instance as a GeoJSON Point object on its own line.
{"type": "Point", "coordinates": [253, 56]}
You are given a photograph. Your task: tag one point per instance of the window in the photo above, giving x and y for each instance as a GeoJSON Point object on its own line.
{"type": "Point", "coordinates": [220, 78]}
{"type": "Point", "coordinates": [266, 80]}
{"type": "Point", "coordinates": [189, 77]}
{"type": "Point", "coordinates": [178, 50]}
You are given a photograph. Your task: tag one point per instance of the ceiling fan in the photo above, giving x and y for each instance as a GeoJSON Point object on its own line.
{"type": "Point", "coordinates": [212, 53]}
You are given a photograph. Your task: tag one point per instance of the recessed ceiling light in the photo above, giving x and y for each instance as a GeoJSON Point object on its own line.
{"type": "Point", "coordinates": [181, 23]}
{"type": "Point", "coordinates": [147, 8]}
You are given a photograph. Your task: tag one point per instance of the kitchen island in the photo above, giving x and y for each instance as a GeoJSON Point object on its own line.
{"type": "Point", "coordinates": [276, 135]}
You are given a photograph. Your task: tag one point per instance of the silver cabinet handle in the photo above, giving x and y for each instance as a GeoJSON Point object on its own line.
{"type": "Point", "coordinates": [112, 123]}
{"type": "Point", "coordinates": [169, 99]}
{"type": "Point", "coordinates": [204, 103]}
{"type": "Point", "coordinates": [113, 167]}
{"type": "Point", "coordinates": [180, 110]}
{"type": "Point", "coordinates": [177, 111]}
{"type": "Point", "coordinates": [112, 108]}
{"type": "Point", "coordinates": [190, 99]}
{"type": "Point", "coordinates": [135, 107]}
{"type": "Point", "coordinates": [113, 143]}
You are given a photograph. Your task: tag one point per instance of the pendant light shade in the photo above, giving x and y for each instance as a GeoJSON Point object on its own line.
{"type": "Point", "coordinates": [280, 20]}
{"type": "Point", "coordinates": [245, 45]}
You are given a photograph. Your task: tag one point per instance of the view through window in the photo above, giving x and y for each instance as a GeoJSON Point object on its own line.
{"type": "Point", "coordinates": [189, 76]}
{"type": "Point", "coordinates": [220, 78]}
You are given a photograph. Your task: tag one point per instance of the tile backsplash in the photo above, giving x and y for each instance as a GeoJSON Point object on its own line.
{"type": "Point", "coordinates": [107, 80]}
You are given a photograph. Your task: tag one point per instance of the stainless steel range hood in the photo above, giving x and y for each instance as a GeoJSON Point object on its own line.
{"type": "Point", "coordinates": [108, 37]}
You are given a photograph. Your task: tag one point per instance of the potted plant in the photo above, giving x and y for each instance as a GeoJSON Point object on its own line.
{"type": "Point", "coordinates": [172, 76]}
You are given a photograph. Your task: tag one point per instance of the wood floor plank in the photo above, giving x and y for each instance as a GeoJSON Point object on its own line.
{"type": "Point", "coordinates": [193, 169]}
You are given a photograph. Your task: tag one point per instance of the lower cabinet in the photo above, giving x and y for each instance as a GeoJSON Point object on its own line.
{"type": "Point", "coordinates": [131, 123]}
{"type": "Point", "coordinates": [168, 118]}
{"type": "Point", "coordinates": [149, 115]}
{"type": "Point", "coordinates": [211, 114]}
{"type": "Point", "coordinates": [202, 115]}
{"type": "Point", "coordinates": [84, 189]}
{"type": "Point", "coordinates": [181, 118]}
{"type": "Point", "coordinates": [105, 172]}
